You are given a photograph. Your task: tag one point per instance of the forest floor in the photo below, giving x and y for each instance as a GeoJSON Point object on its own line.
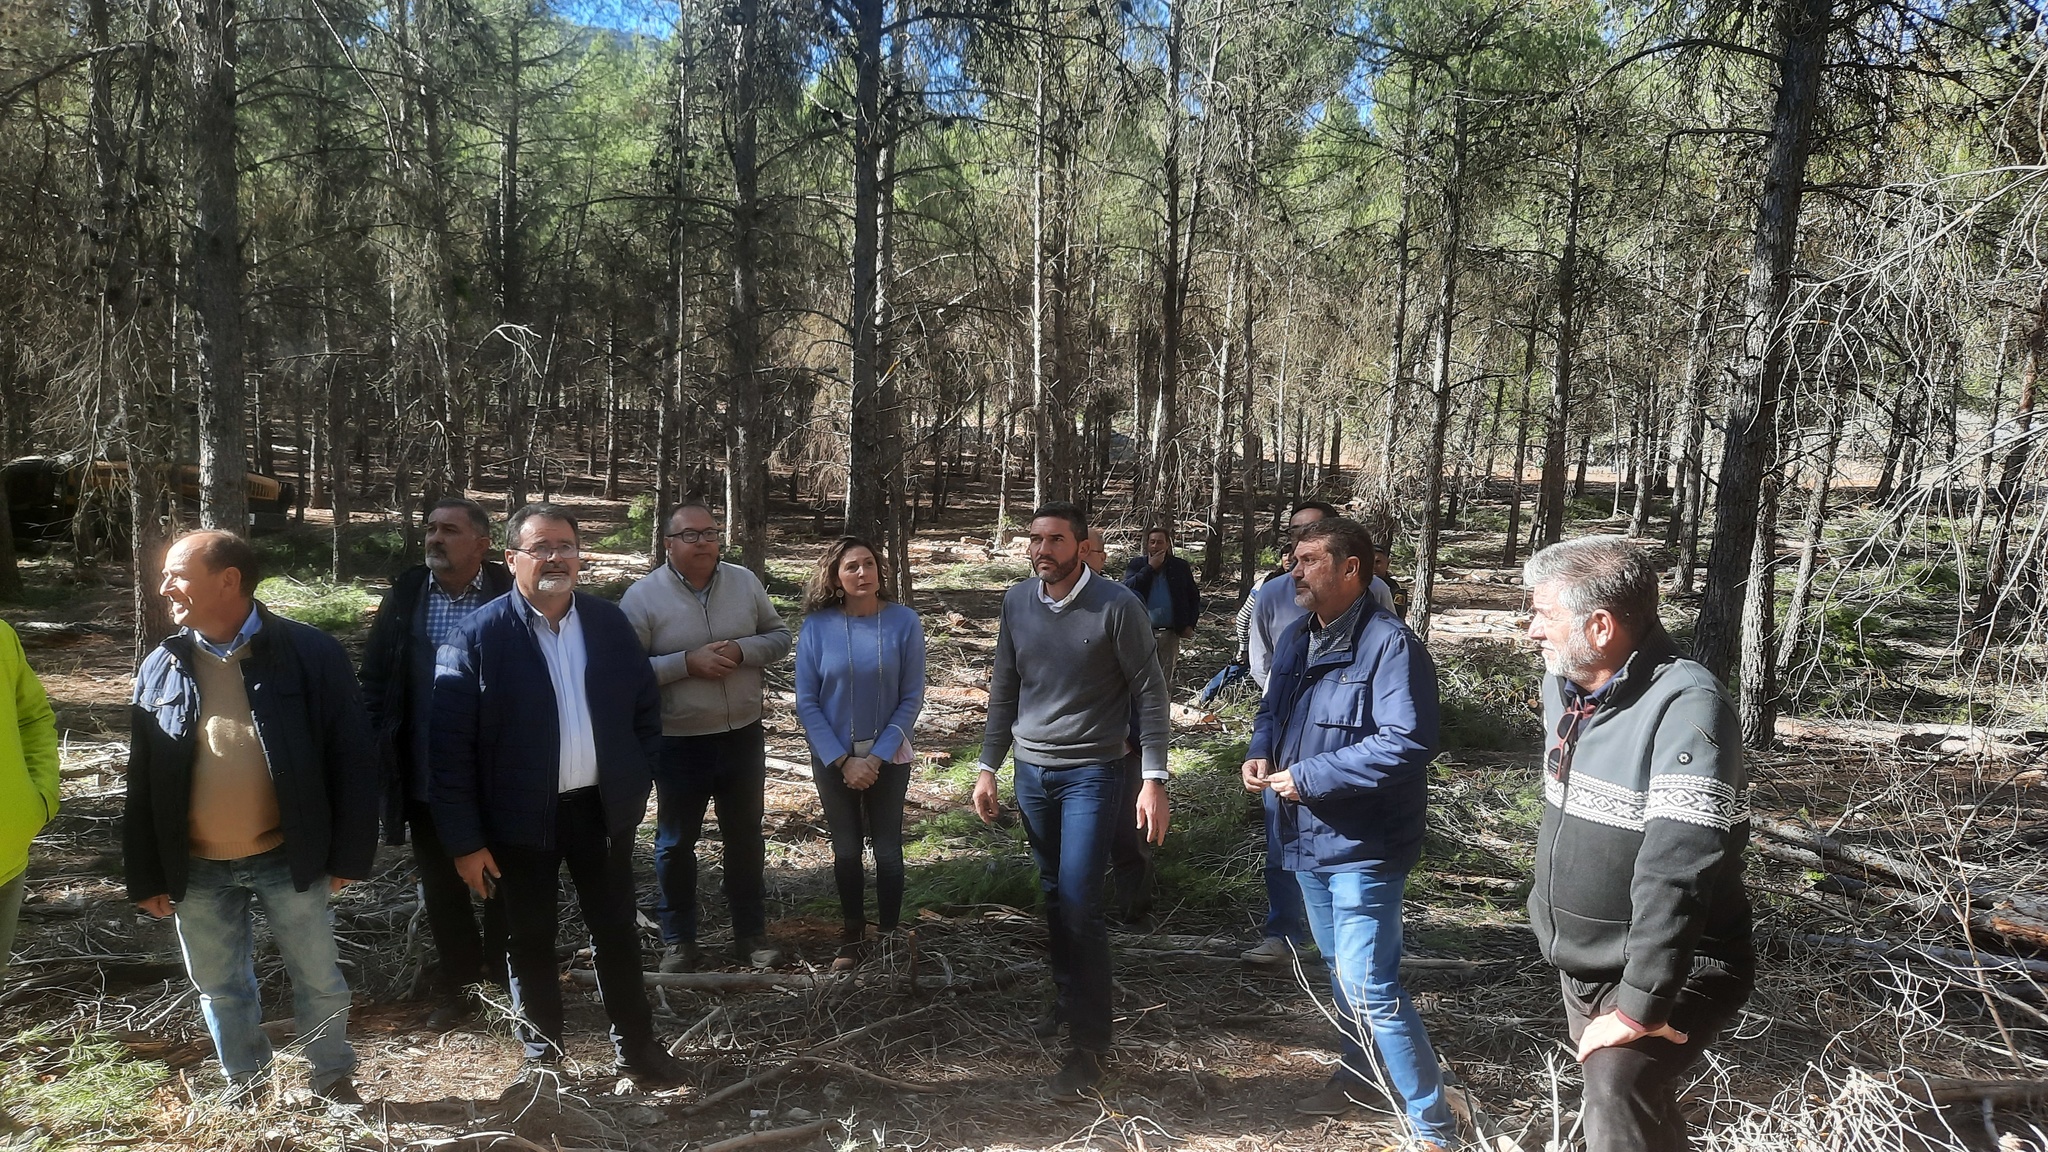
{"type": "Point", "coordinates": [101, 1043]}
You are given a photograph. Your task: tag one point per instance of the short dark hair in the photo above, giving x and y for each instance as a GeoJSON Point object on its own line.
{"type": "Point", "coordinates": [1162, 529]}
{"type": "Point", "coordinates": [669, 518]}
{"type": "Point", "coordinates": [1069, 512]}
{"type": "Point", "coordinates": [1328, 510]}
{"type": "Point", "coordinates": [478, 518]}
{"type": "Point", "coordinates": [218, 548]}
{"type": "Point", "coordinates": [1343, 539]}
{"type": "Point", "coordinates": [516, 523]}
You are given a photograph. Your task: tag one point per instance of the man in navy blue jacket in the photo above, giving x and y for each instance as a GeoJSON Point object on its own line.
{"type": "Point", "coordinates": [1166, 583]}
{"type": "Point", "coordinates": [1340, 749]}
{"type": "Point", "coordinates": [251, 783]}
{"type": "Point", "coordinates": [546, 718]}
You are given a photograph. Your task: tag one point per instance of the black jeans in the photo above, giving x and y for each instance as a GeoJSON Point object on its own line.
{"type": "Point", "coordinates": [873, 814]}
{"type": "Point", "coordinates": [530, 885]}
{"type": "Point", "coordinates": [729, 769]}
{"type": "Point", "coordinates": [1132, 878]}
{"type": "Point", "coordinates": [466, 957]}
{"type": "Point", "coordinates": [1631, 1099]}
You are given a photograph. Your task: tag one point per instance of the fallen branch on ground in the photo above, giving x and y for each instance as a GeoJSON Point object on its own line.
{"type": "Point", "coordinates": [770, 1136]}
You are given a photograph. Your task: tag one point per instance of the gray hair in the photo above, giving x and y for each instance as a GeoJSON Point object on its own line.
{"type": "Point", "coordinates": [478, 518]}
{"type": "Point", "coordinates": [1593, 573]}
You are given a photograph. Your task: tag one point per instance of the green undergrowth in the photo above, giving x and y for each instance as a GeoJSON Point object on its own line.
{"type": "Point", "coordinates": [334, 608]}
{"type": "Point", "coordinates": [69, 1089]}
{"type": "Point", "coordinates": [974, 576]}
{"type": "Point", "coordinates": [636, 535]}
{"type": "Point", "coordinates": [1488, 696]}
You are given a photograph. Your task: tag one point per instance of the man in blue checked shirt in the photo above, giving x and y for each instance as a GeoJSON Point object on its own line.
{"type": "Point", "coordinates": [423, 608]}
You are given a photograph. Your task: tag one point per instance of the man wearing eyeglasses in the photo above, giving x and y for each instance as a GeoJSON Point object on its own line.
{"type": "Point", "coordinates": [709, 630]}
{"type": "Point", "coordinates": [1638, 899]}
{"type": "Point", "coordinates": [545, 726]}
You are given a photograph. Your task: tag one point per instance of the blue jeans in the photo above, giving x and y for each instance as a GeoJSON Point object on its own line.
{"type": "Point", "coordinates": [219, 940]}
{"type": "Point", "coordinates": [1069, 816]}
{"type": "Point", "coordinates": [1356, 919]}
{"type": "Point", "coordinates": [1283, 907]}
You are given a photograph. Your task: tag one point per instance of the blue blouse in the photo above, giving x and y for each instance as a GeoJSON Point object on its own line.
{"type": "Point", "coordinates": [859, 678]}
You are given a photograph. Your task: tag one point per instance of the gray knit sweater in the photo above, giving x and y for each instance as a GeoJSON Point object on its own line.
{"type": "Point", "coordinates": [1064, 681]}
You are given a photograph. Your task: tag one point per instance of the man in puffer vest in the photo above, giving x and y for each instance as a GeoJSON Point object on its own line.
{"type": "Point", "coordinates": [1638, 899]}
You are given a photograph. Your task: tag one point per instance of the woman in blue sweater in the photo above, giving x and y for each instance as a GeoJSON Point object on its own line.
{"type": "Point", "coordinates": [859, 686]}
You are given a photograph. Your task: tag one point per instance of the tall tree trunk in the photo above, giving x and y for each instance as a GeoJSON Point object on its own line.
{"type": "Point", "coordinates": [1510, 546]}
{"type": "Point", "coordinates": [1219, 463]}
{"type": "Point", "coordinates": [1761, 372]}
{"type": "Point", "coordinates": [1421, 598]}
{"type": "Point", "coordinates": [1397, 352]}
{"type": "Point", "coordinates": [1757, 701]}
{"type": "Point", "coordinates": [867, 510]}
{"type": "Point", "coordinates": [749, 446]}
{"type": "Point", "coordinates": [1555, 421]}
{"type": "Point", "coordinates": [1998, 568]}
{"type": "Point", "coordinates": [1815, 526]}
{"type": "Point", "coordinates": [215, 238]}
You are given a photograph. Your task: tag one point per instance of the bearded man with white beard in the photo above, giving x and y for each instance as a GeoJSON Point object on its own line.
{"type": "Point", "coordinates": [546, 724]}
{"type": "Point", "coordinates": [1638, 899]}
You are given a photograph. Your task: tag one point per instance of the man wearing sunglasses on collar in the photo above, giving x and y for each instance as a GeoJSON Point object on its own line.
{"type": "Point", "coordinates": [709, 630]}
{"type": "Point", "coordinates": [1638, 899]}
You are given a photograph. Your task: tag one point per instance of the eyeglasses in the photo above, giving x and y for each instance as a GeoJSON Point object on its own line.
{"type": "Point", "coordinates": [561, 552]}
{"type": "Point", "coordinates": [693, 535]}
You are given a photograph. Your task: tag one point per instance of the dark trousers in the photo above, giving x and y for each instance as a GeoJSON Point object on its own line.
{"type": "Point", "coordinates": [530, 885]}
{"type": "Point", "coordinates": [875, 815]}
{"type": "Point", "coordinates": [1132, 879]}
{"type": "Point", "coordinates": [730, 770]}
{"type": "Point", "coordinates": [1069, 816]}
{"type": "Point", "coordinates": [465, 957]}
{"type": "Point", "coordinates": [1631, 1099]}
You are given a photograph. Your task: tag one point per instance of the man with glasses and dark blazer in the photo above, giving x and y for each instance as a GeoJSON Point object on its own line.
{"type": "Point", "coordinates": [709, 630]}
{"type": "Point", "coordinates": [546, 721]}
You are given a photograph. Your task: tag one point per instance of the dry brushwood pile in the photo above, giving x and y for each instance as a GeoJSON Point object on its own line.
{"type": "Point", "coordinates": [1901, 915]}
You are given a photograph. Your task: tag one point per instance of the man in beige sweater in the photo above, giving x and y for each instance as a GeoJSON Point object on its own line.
{"type": "Point", "coordinates": [709, 629]}
{"type": "Point", "coordinates": [251, 783]}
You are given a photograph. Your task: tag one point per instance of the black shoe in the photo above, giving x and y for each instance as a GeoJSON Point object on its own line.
{"type": "Point", "coordinates": [756, 952]}
{"type": "Point", "coordinates": [653, 1067]}
{"type": "Point", "coordinates": [342, 1091]}
{"type": "Point", "coordinates": [1076, 1078]}
{"type": "Point", "coordinates": [451, 1013]}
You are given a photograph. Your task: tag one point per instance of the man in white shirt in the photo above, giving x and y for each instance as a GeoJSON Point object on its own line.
{"type": "Point", "coordinates": [546, 718]}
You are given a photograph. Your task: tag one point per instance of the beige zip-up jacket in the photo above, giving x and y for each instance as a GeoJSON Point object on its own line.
{"type": "Point", "coordinates": [670, 621]}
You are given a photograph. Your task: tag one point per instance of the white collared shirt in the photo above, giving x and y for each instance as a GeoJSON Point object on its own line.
{"type": "Point", "coordinates": [1061, 603]}
{"type": "Point", "coordinates": [563, 650]}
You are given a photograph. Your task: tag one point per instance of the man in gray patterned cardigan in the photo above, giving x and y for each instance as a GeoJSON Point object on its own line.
{"type": "Point", "coordinates": [1638, 900]}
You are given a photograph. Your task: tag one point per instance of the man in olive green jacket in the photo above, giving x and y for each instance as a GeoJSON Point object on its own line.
{"type": "Point", "coordinates": [28, 776]}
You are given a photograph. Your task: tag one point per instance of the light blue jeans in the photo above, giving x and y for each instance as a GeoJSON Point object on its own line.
{"type": "Point", "coordinates": [218, 936]}
{"type": "Point", "coordinates": [1356, 920]}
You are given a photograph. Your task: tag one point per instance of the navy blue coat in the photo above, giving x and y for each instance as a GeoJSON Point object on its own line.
{"type": "Point", "coordinates": [309, 715]}
{"type": "Point", "coordinates": [398, 685]}
{"type": "Point", "coordinates": [496, 740]}
{"type": "Point", "coordinates": [1367, 720]}
{"type": "Point", "coordinates": [1180, 586]}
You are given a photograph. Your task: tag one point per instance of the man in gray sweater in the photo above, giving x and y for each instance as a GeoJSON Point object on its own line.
{"type": "Point", "coordinates": [709, 629]}
{"type": "Point", "coordinates": [1073, 653]}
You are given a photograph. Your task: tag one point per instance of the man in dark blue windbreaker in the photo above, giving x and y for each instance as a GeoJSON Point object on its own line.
{"type": "Point", "coordinates": [1342, 742]}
